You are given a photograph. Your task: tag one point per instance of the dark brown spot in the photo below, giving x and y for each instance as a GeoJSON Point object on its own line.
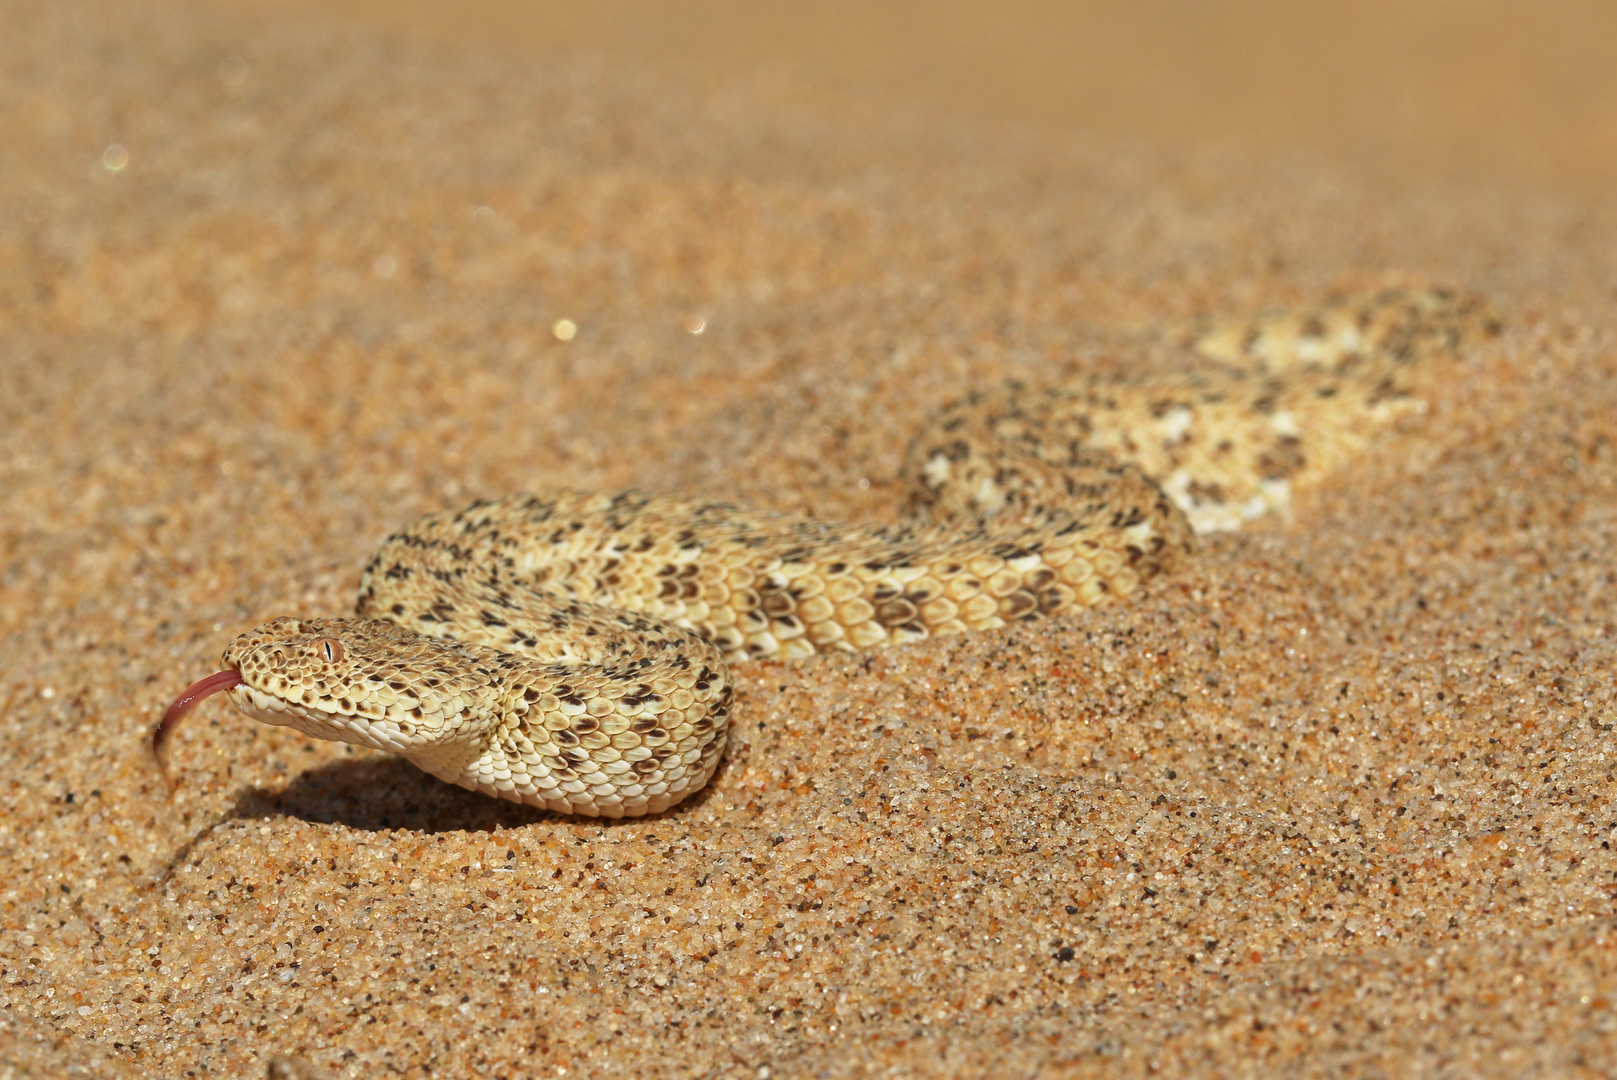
{"type": "Point", "coordinates": [895, 612]}
{"type": "Point", "coordinates": [1018, 605]}
{"type": "Point", "coordinates": [1283, 459]}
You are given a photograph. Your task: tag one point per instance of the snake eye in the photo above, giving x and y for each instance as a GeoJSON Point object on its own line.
{"type": "Point", "coordinates": [328, 649]}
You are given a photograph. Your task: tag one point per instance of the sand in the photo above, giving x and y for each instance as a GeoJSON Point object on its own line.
{"type": "Point", "coordinates": [1335, 801]}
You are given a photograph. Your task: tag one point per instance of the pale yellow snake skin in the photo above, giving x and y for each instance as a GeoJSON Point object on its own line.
{"type": "Point", "coordinates": [570, 650]}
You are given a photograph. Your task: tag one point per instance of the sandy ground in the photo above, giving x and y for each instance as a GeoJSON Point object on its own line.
{"type": "Point", "coordinates": [1335, 801]}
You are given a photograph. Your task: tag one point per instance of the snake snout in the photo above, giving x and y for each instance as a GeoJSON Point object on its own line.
{"type": "Point", "coordinates": [213, 684]}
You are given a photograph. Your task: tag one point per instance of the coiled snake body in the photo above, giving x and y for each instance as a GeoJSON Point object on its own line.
{"type": "Point", "coordinates": [570, 650]}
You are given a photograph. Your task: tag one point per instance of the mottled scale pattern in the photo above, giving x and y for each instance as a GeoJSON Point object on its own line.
{"type": "Point", "coordinates": [571, 650]}
{"type": "Point", "coordinates": [1253, 410]}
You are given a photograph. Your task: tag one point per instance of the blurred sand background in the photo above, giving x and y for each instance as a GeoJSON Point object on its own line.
{"type": "Point", "coordinates": [275, 278]}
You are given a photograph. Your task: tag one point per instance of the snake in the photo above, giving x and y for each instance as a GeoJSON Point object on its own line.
{"type": "Point", "coordinates": [573, 650]}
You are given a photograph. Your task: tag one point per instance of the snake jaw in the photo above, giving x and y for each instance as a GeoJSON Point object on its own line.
{"type": "Point", "coordinates": [216, 683]}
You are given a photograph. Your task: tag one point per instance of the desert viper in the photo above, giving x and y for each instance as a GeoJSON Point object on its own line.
{"type": "Point", "coordinates": [570, 650]}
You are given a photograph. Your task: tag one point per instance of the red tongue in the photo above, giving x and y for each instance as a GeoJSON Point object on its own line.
{"type": "Point", "coordinates": [183, 704]}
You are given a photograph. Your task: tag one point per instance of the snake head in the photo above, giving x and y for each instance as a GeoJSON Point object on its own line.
{"type": "Point", "coordinates": [351, 680]}
{"type": "Point", "coordinates": [293, 662]}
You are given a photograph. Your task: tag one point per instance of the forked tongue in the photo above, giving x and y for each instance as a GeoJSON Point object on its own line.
{"type": "Point", "coordinates": [213, 684]}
